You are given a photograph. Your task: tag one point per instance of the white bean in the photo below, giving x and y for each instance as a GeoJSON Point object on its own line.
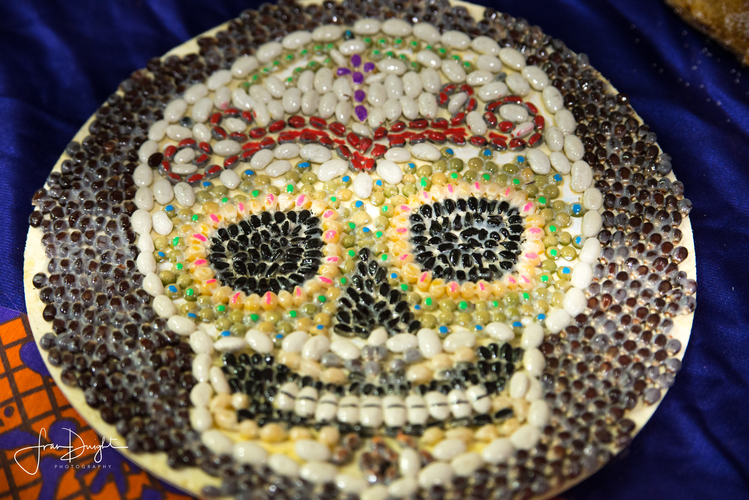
{"type": "Point", "coordinates": [409, 107]}
{"type": "Point", "coordinates": [392, 109]}
{"type": "Point", "coordinates": [479, 77]}
{"type": "Point", "coordinates": [565, 121]}
{"type": "Point", "coordinates": [453, 71]}
{"type": "Point", "coordinates": [485, 45]}
{"type": "Point", "coordinates": [367, 27]}
{"type": "Point", "coordinates": [292, 100]}
{"type": "Point", "coordinates": [427, 33]}
{"type": "Point", "coordinates": [243, 66]}
{"type": "Point", "coordinates": [195, 92]}
{"type": "Point", "coordinates": [392, 66]}
{"type": "Point", "coordinates": [554, 138]}
{"type": "Point", "coordinates": [143, 175]}
{"type": "Point", "coordinates": [326, 106]}
{"type": "Point", "coordinates": [553, 99]}
{"type": "Point", "coordinates": [175, 110]}
{"type": "Point", "coordinates": [201, 110]}
{"type": "Point", "coordinates": [376, 117]}
{"type": "Point", "coordinates": [397, 27]}
{"type": "Point", "coordinates": [323, 81]}
{"type": "Point", "coordinates": [455, 39]}
{"type": "Point", "coordinates": [163, 191]}
{"type": "Point", "coordinates": [430, 80]}
{"type": "Point", "coordinates": [582, 176]}
{"type": "Point", "coordinates": [222, 98]}
{"type": "Point", "coordinates": [327, 33]}
{"type": "Point", "coordinates": [259, 94]}
{"type": "Point", "coordinates": [269, 51]}
{"type": "Point", "coordinates": [428, 105]}
{"type": "Point", "coordinates": [218, 79]}
{"type": "Point", "coordinates": [343, 111]}
{"type": "Point", "coordinates": [261, 114]}
{"type": "Point", "coordinates": [393, 86]}
{"type": "Point", "coordinates": [512, 58]}
{"type": "Point", "coordinates": [377, 94]}
{"type": "Point", "coordinates": [477, 124]}
{"type": "Point", "coordinates": [518, 84]}
{"type": "Point", "coordinates": [489, 63]}
{"type": "Point", "coordinates": [536, 77]}
{"type": "Point", "coordinates": [342, 89]}
{"type": "Point", "coordinates": [350, 47]}
{"type": "Point", "coordinates": [178, 132]}
{"type": "Point", "coordinates": [492, 91]}
{"type": "Point", "coordinates": [456, 102]}
{"type": "Point", "coordinates": [275, 109]}
{"type": "Point", "coordinates": [310, 102]}
{"type": "Point", "coordinates": [296, 40]}
{"type": "Point", "coordinates": [428, 59]}
{"type": "Point", "coordinates": [275, 86]}
{"type": "Point", "coordinates": [560, 162]}
{"type": "Point", "coordinates": [412, 85]}
{"type": "Point", "coordinates": [306, 81]}
{"type": "Point", "coordinates": [144, 198]}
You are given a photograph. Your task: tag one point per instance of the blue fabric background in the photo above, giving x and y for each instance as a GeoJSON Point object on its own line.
{"type": "Point", "coordinates": [60, 60]}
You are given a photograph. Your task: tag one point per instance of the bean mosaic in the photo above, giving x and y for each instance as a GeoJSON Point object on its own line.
{"type": "Point", "coordinates": [435, 253]}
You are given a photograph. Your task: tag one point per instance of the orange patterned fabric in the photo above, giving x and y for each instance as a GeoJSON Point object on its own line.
{"type": "Point", "coordinates": [30, 404]}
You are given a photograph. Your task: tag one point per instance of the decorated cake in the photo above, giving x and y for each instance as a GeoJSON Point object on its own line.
{"type": "Point", "coordinates": [367, 250]}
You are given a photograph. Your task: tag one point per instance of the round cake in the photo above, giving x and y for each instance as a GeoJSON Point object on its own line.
{"type": "Point", "coordinates": [365, 250]}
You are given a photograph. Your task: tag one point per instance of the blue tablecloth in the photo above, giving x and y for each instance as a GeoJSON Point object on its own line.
{"type": "Point", "coordinates": [60, 60]}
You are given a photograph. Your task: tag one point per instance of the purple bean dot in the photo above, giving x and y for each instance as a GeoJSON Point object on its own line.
{"type": "Point", "coordinates": [355, 60]}
{"type": "Point", "coordinates": [361, 113]}
{"type": "Point", "coordinates": [358, 78]}
{"type": "Point", "coordinates": [343, 71]}
{"type": "Point", "coordinates": [368, 66]}
{"type": "Point", "coordinates": [359, 95]}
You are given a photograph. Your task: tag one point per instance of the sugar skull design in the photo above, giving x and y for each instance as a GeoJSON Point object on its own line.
{"type": "Point", "coordinates": [396, 255]}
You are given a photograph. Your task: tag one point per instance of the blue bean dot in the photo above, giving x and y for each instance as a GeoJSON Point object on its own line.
{"type": "Point", "coordinates": [168, 208]}
{"type": "Point", "coordinates": [566, 270]}
{"type": "Point", "coordinates": [450, 151]}
{"type": "Point", "coordinates": [249, 172]}
{"type": "Point", "coordinates": [207, 184]}
{"type": "Point", "coordinates": [418, 308]}
{"type": "Point", "coordinates": [365, 229]}
{"type": "Point", "coordinates": [358, 204]}
{"type": "Point", "coordinates": [320, 327]}
{"type": "Point", "coordinates": [304, 164]}
{"type": "Point", "coordinates": [412, 165]}
{"type": "Point", "coordinates": [192, 315]}
{"type": "Point", "coordinates": [517, 324]}
{"type": "Point", "coordinates": [443, 329]}
{"type": "Point", "coordinates": [576, 208]}
{"type": "Point", "coordinates": [557, 177]}
{"type": "Point", "coordinates": [479, 327]}
{"type": "Point", "coordinates": [225, 333]}
{"type": "Point", "coordinates": [161, 254]}
{"type": "Point", "coordinates": [393, 275]}
{"type": "Point", "coordinates": [379, 182]}
{"type": "Point", "coordinates": [521, 159]}
{"type": "Point", "coordinates": [346, 178]}
{"type": "Point", "coordinates": [541, 317]}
